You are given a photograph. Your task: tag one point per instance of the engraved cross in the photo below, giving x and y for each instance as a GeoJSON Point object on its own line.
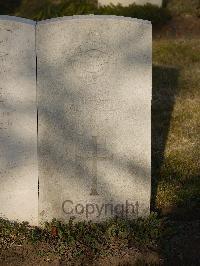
{"type": "Point", "coordinates": [95, 157]}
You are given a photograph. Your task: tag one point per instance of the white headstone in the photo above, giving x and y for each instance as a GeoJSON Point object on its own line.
{"type": "Point", "coordinates": [18, 121]}
{"type": "Point", "coordinates": [129, 2]}
{"type": "Point", "coordinates": [94, 134]}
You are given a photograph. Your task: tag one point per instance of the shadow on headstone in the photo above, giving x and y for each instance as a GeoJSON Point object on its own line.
{"type": "Point", "coordinates": [165, 89]}
{"type": "Point", "coordinates": [71, 125]}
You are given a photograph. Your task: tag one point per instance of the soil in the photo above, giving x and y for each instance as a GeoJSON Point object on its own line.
{"type": "Point", "coordinates": [28, 255]}
{"type": "Point", "coordinates": [181, 249]}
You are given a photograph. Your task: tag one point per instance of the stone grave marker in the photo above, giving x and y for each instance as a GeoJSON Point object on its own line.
{"type": "Point", "coordinates": [94, 108]}
{"type": "Point", "coordinates": [18, 121]}
{"type": "Point", "coordinates": [129, 2]}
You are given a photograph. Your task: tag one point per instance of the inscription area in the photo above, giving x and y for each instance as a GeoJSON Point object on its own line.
{"type": "Point", "coordinates": [4, 42]}
{"type": "Point", "coordinates": [91, 60]}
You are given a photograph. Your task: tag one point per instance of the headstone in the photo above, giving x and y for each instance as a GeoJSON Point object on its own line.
{"type": "Point", "coordinates": [94, 109]}
{"type": "Point", "coordinates": [129, 2]}
{"type": "Point", "coordinates": [18, 121]}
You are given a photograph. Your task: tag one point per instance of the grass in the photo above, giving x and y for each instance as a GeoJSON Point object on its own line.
{"type": "Point", "coordinates": [184, 7]}
{"type": "Point", "coordinates": [178, 175]}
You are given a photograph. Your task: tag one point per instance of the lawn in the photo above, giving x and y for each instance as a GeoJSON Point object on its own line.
{"type": "Point", "coordinates": [175, 122]}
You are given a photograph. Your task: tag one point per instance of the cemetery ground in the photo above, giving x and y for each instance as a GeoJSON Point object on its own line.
{"type": "Point", "coordinates": [170, 237]}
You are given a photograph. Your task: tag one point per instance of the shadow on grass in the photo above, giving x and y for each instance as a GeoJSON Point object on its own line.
{"type": "Point", "coordinates": [9, 6]}
{"type": "Point", "coordinates": [180, 245]}
{"type": "Point", "coordinates": [165, 89]}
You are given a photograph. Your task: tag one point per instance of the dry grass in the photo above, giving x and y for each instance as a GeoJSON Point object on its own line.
{"type": "Point", "coordinates": [179, 172]}
{"type": "Point", "coordinates": [184, 7]}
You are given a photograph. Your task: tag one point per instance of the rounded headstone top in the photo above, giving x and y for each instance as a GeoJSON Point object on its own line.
{"type": "Point", "coordinates": [17, 19]}
{"type": "Point", "coordinates": [75, 17]}
{"type": "Point", "coordinates": [94, 17]}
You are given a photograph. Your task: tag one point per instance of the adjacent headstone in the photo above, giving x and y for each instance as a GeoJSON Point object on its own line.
{"type": "Point", "coordinates": [18, 121]}
{"type": "Point", "coordinates": [129, 2]}
{"type": "Point", "coordinates": [94, 109]}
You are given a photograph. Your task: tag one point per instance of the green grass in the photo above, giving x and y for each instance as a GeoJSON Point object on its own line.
{"type": "Point", "coordinates": [177, 52]}
{"type": "Point", "coordinates": [45, 9]}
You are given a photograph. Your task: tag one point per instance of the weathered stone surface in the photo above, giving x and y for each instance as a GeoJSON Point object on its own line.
{"type": "Point", "coordinates": [18, 120]}
{"type": "Point", "coordinates": [129, 2]}
{"type": "Point", "coordinates": [94, 100]}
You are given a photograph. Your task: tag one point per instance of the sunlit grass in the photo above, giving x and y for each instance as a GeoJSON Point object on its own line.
{"type": "Point", "coordinates": [184, 7]}
{"type": "Point", "coordinates": [180, 172]}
